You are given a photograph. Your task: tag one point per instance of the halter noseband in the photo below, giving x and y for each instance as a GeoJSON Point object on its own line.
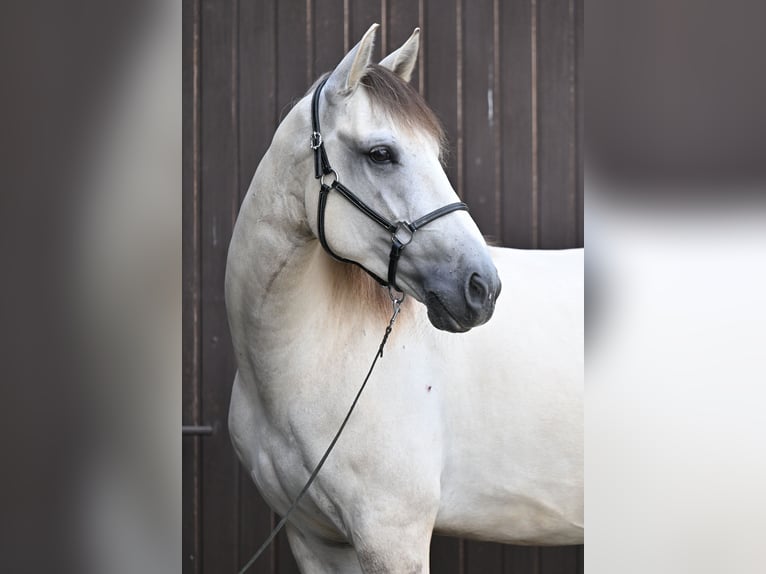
{"type": "Point", "coordinates": [402, 232]}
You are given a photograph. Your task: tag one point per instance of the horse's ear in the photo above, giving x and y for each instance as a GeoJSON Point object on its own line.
{"type": "Point", "coordinates": [402, 61]}
{"type": "Point", "coordinates": [345, 77]}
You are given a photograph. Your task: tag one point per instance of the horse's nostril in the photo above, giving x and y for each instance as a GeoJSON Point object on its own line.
{"type": "Point", "coordinates": [477, 291]}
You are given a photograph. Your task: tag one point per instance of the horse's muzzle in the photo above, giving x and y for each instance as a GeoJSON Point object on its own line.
{"type": "Point", "coordinates": [458, 310]}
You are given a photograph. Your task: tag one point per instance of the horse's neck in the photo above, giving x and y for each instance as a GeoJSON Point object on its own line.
{"type": "Point", "coordinates": [283, 291]}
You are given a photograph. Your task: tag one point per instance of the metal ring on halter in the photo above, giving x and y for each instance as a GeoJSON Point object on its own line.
{"type": "Point", "coordinates": [334, 175]}
{"type": "Point", "coordinates": [396, 296]}
{"type": "Point", "coordinates": [403, 225]}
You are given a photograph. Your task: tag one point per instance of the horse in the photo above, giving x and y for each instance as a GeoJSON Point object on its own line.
{"type": "Point", "coordinates": [472, 424]}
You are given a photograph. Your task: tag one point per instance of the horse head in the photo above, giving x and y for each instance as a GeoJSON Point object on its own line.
{"type": "Point", "coordinates": [386, 145]}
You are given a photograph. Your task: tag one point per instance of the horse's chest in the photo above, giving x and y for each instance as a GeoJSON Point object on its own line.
{"type": "Point", "coordinates": [387, 445]}
{"type": "Point", "coordinates": [278, 464]}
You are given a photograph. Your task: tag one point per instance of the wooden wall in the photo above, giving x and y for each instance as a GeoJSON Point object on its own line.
{"type": "Point", "coordinates": [503, 76]}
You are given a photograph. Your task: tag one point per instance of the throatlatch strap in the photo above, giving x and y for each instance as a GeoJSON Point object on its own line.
{"type": "Point", "coordinates": [324, 191]}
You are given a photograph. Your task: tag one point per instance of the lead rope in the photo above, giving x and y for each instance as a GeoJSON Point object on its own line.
{"type": "Point", "coordinates": [396, 302]}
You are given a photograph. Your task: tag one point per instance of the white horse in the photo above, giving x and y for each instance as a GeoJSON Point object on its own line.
{"type": "Point", "coordinates": [477, 434]}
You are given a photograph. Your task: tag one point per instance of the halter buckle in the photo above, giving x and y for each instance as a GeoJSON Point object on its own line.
{"type": "Point", "coordinates": [315, 141]}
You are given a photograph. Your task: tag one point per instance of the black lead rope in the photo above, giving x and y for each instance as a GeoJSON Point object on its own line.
{"type": "Point", "coordinates": [397, 306]}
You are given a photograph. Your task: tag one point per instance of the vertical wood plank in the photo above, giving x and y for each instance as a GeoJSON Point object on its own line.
{"type": "Point", "coordinates": [479, 116]}
{"type": "Point", "coordinates": [402, 18]}
{"type": "Point", "coordinates": [579, 79]}
{"type": "Point", "coordinates": [447, 555]}
{"type": "Point", "coordinates": [293, 67]}
{"type": "Point", "coordinates": [363, 14]}
{"type": "Point", "coordinates": [219, 198]}
{"type": "Point", "coordinates": [521, 560]}
{"type": "Point", "coordinates": [440, 62]}
{"type": "Point", "coordinates": [559, 560]}
{"type": "Point", "coordinates": [292, 59]}
{"type": "Point", "coordinates": [257, 122]}
{"type": "Point", "coordinates": [516, 112]}
{"type": "Point", "coordinates": [483, 557]}
{"type": "Point", "coordinates": [190, 545]}
{"type": "Point", "coordinates": [257, 85]}
{"type": "Point", "coordinates": [557, 124]}
{"type": "Point", "coordinates": [328, 35]}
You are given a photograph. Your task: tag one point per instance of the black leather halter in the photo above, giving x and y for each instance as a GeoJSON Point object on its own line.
{"type": "Point", "coordinates": [401, 232]}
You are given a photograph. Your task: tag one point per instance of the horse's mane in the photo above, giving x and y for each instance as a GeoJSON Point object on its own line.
{"type": "Point", "coordinates": [402, 103]}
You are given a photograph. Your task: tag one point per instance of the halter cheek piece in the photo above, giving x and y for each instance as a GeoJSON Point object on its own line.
{"type": "Point", "coordinates": [402, 232]}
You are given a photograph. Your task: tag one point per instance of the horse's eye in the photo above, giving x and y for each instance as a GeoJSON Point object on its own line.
{"type": "Point", "coordinates": [381, 154]}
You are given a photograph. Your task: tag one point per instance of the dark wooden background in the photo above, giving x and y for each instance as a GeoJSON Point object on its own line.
{"type": "Point", "coordinates": [505, 79]}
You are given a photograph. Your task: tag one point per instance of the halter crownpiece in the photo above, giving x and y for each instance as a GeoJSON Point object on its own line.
{"type": "Point", "coordinates": [402, 232]}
